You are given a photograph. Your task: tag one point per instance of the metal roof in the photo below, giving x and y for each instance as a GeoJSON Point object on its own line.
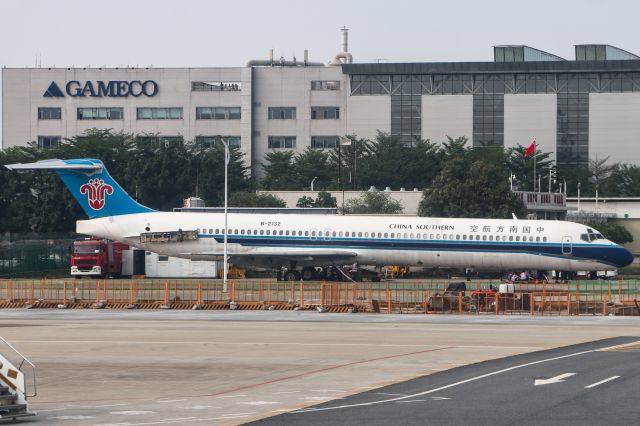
{"type": "Point", "coordinates": [491, 67]}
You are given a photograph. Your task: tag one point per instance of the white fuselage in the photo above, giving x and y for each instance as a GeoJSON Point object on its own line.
{"type": "Point", "coordinates": [482, 244]}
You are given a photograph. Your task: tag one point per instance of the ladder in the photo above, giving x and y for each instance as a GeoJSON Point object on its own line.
{"type": "Point", "coordinates": [13, 385]}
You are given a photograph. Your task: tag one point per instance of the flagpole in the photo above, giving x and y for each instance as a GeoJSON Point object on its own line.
{"type": "Point", "coordinates": [535, 149]}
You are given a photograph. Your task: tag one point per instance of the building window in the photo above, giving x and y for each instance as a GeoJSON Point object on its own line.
{"type": "Point", "coordinates": [282, 141]}
{"type": "Point", "coordinates": [150, 113]}
{"type": "Point", "coordinates": [325, 113]}
{"type": "Point", "coordinates": [282, 113]}
{"type": "Point", "coordinates": [325, 85]}
{"type": "Point", "coordinates": [217, 113]}
{"type": "Point", "coordinates": [216, 86]}
{"type": "Point", "coordinates": [488, 120]}
{"type": "Point", "coordinates": [320, 142]}
{"type": "Point", "coordinates": [49, 113]}
{"type": "Point", "coordinates": [209, 141]}
{"type": "Point", "coordinates": [100, 113]}
{"type": "Point", "coordinates": [48, 141]}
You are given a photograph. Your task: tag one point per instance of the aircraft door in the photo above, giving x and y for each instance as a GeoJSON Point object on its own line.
{"type": "Point", "coordinates": [567, 246]}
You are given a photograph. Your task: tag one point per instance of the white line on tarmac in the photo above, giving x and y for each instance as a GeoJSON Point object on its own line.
{"type": "Point", "coordinates": [411, 400]}
{"type": "Point", "coordinates": [601, 382]}
{"type": "Point", "coordinates": [230, 396]}
{"type": "Point", "coordinates": [97, 406]}
{"type": "Point", "coordinates": [472, 379]}
{"type": "Point", "coordinates": [390, 394]}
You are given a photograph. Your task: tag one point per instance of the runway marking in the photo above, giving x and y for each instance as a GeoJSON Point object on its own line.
{"type": "Point", "coordinates": [439, 398]}
{"type": "Point", "coordinates": [390, 394]}
{"type": "Point", "coordinates": [601, 382]}
{"type": "Point", "coordinates": [411, 400]}
{"type": "Point", "coordinates": [70, 418]}
{"type": "Point", "coordinates": [472, 379]}
{"type": "Point", "coordinates": [325, 369]}
{"type": "Point", "coordinates": [132, 413]}
{"type": "Point", "coordinates": [552, 380]}
{"type": "Point", "coordinates": [97, 406]}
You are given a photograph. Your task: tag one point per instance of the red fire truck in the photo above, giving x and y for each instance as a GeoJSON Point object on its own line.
{"type": "Point", "coordinates": [96, 257]}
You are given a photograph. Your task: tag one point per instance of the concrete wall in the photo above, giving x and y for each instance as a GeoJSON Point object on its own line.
{"type": "Point", "coordinates": [529, 116]}
{"type": "Point", "coordinates": [614, 126]}
{"type": "Point", "coordinates": [409, 200]}
{"type": "Point", "coordinates": [367, 115]}
{"type": "Point", "coordinates": [447, 115]}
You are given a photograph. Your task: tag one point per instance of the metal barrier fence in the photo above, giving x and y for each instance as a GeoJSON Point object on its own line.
{"type": "Point", "coordinates": [574, 298]}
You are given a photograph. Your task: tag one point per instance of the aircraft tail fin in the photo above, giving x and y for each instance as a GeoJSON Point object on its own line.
{"type": "Point", "coordinates": [91, 185]}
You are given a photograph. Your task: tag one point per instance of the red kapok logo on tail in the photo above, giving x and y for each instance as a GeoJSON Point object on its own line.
{"type": "Point", "coordinates": [96, 190]}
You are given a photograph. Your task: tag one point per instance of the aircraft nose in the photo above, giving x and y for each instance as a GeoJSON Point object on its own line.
{"type": "Point", "coordinates": [622, 257]}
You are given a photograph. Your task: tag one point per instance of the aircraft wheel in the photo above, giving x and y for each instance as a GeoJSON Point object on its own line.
{"type": "Point", "coordinates": [308, 274]}
{"type": "Point", "coordinates": [291, 276]}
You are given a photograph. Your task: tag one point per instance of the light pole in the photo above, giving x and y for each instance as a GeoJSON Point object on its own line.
{"type": "Point", "coordinates": [344, 140]}
{"type": "Point", "coordinates": [225, 264]}
{"type": "Point", "coordinates": [313, 180]}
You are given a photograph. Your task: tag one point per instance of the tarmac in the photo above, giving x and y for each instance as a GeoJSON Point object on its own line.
{"type": "Point", "coordinates": [101, 367]}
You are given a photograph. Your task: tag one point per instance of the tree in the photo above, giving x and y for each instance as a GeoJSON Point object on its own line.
{"type": "Point", "coordinates": [305, 202]}
{"type": "Point", "coordinates": [472, 183]}
{"type": "Point", "coordinates": [373, 203]}
{"type": "Point", "coordinates": [252, 199]}
{"type": "Point", "coordinates": [309, 165]}
{"type": "Point", "coordinates": [388, 162]}
{"type": "Point", "coordinates": [324, 199]}
{"type": "Point", "coordinates": [613, 231]}
{"type": "Point", "coordinates": [278, 170]}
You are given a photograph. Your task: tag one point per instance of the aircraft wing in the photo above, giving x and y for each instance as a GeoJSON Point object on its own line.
{"type": "Point", "coordinates": [314, 257]}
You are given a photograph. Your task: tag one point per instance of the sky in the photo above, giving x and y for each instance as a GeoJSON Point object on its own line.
{"type": "Point", "coordinates": [199, 33]}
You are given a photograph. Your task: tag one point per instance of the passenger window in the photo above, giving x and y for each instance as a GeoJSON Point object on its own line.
{"type": "Point", "coordinates": [411, 236]}
{"type": "Point", "coordinates": [484, 238]}
{"type": "Point", "coordinates": [366, 234]}
{"type": "Point", "coordinates": [510, 237]}
{"type": "Point", "coordinates": [518, 238]}
{"type": "Point", "coordinates": [478, 237]}
{"type": "Point", "coordinates": [268, 232]}
{"type": "Point", "coordinates": [300, 233]}
{"type": "Point", "coordinates": [286, 232]}
{"type": "Point", "coordinates": [490, 237]}
{"type": "Point", "coordinates": [262, 232]}
{"type": "Point", "coordinates": [544, 239]}
{"type": "Point", "coordinates": [340, 234]}
{"type": "Point", "coordinates": [333, 234]}
{"type": "Point", "coordinates": [359, 234]}
{"type": "Point", "coordinates": [538, 239]}
{"type": "Point", "coordinates": [406, 236]}
{"type": "Point", "coordinates": [313, 233]}
{"type": "Point", "coordinates": [530, 238]}
{"type": "Point", "coordinates": [458, 237]}
{"type": "Point", "coordinates": [393, 235]}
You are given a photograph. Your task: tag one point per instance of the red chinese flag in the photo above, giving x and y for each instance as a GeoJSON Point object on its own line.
{"type": "Point", "coordinates": [531, 150]}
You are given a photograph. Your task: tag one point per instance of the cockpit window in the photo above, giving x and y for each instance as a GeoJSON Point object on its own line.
{"type": "Point", "coordinates": [599, 237]}
{"type": "Point", "coordinates": [584, 237]}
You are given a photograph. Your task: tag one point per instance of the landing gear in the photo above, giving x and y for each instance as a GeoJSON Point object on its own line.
{"type": "Point", "coordinates": [309, 273]}
{"type": "Point", "coordinates": [292, 276]}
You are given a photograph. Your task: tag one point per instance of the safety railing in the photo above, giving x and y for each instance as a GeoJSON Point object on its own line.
{"type": "Point", "coordinates": [575, 298]}
{"type": "Point", "coordinates": [16, 379]}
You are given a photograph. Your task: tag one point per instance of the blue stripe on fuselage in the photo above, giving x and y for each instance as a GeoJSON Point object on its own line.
{"type": "Point", "coordinates": [598, 252]}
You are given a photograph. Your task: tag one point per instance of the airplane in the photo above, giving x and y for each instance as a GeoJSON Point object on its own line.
{"type": "Point", "coordinates": [303, 242]}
